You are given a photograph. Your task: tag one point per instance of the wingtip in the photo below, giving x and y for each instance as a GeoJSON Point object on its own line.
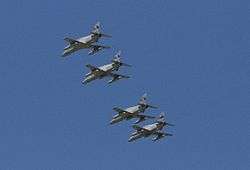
{"type": "Point", "coordinates": [169, 134]}
{"type": "Point", "coordinates": [63, 54]}
{"type": "Point", "coordinates": [127, 77]}
{"type": "Point", "coordinates": [114, 108]}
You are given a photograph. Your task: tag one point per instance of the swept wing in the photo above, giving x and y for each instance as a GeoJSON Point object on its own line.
{"type": "Point", "coordinates": [143, 117]}
{"type": "Point", "coordinates": [116, 77]}
{"type": "Point", "coordinates": [121, 111]}
{"type": "Point", "coordinates": [72, 41]}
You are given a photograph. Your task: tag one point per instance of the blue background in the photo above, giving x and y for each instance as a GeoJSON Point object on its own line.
{"type": "Point", "coordinates": [191, 57]}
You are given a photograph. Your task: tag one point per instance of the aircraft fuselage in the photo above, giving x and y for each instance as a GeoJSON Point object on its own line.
{"type": "Point", "coordinates": [134, 110]}
{"type": "Point", "coordinates": [85, 43]}
{"type": "Point", "coordinates": [97, 74]}
{"type": "Point", "coordinates": [151, 129]}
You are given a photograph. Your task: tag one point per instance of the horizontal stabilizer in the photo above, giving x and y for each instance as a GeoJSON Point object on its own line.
{"type": "Point", "coordinates": [151, 106]}
{"type": "Point", "coordinates": [169, 124]}
{"type": "Point", "coordinates": [105, 35]}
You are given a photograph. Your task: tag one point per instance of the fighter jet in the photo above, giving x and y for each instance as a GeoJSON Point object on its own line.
{"type": "Point", "coordinates": [86, 42]}
{"type": "Point", "coordinates": [133, 112]}
{"type": "Point", "coordinates": [151, 130]}
{"type": "Point", "coordinates": [106, 70]}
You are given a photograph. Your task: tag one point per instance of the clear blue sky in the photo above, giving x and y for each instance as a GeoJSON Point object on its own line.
{"type": "Point", "coordinates": [191, 57]}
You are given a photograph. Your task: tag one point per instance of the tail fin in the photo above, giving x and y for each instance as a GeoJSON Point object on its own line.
{"type": "Point", "coordinates": [117, 60]}
{"type": "Point", "coordinates": [143, 99]}
{"type": "Point", "coordinates": [96, 28]}
{"type": "Point", "coordinates": [144, 103]}
{"type": "Point", "coordinates": [117, 57]}
{"type": "Point", "coordinates": [161, 117]}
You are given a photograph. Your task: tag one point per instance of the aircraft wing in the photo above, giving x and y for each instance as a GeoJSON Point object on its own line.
{"type": "Point", "coordinates": [146, 116]}
{"type": "Point", "coordinates": [138, 128]}
{"type": "Point", "coordinates": [71, 41]}
{"type": "Point", "coordinates": [116, 77]}
{"type": "Point", "coordinates": [94, 68]}
{"type": "Point", "coordinates": [159, 133]}
{"type": "Point", "coordinates": [143, 118]}
{"type": "Point", "coordinates": [121, 111]}
{"type": "Point", "coordinates": [162, 134]}
{"type": "Point", "coordinates": [96, 46]}
{"type": "Point", "coordinates": [91, 67]}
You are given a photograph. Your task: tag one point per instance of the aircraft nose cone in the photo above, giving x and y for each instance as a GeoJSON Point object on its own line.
{"type": "Point", "coordinates": [111, 122]}
{"type": "Point", "coordinates": [130, 139]}
{"type": "Point", "coordinates": [85, 81]}
{"type": "Point", "coordinates": [64, 54]}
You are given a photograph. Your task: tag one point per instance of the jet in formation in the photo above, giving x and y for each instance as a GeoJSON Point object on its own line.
{"type": "Point", "coordinates": [133, 112]}
{"type": "Point", "coordinates": [110, 70]}
{"type": "Point", "coordinates": [86, 42]}
{"type": "Point", "coordinates": [106, 70]}
{"type": "Point", "coordinates": [154, 129]}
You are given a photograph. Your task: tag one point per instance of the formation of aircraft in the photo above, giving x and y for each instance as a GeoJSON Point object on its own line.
{"type": "Point", "coordinates": [86, 42]}
{"type": "Point", "coordinates": [110, 70]}
{"type": "Point", "coordinates": [137, 112]}
{"type": "Point", "coordinates": [133, 112]}
{"type": "Point", "coordinates": [154, 129]}
{"type": "Point", "coordinates": [106, 70]}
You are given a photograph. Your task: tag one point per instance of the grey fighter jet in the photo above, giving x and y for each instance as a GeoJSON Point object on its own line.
{"type": "Point", "coordinates": [151, 130]}
{"type": "Point", "coordinates": [133, 112]}
{"type": "Point", "coordinates": [86, 42]}
{"type": "Point", "coordinates": [106, 70]}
